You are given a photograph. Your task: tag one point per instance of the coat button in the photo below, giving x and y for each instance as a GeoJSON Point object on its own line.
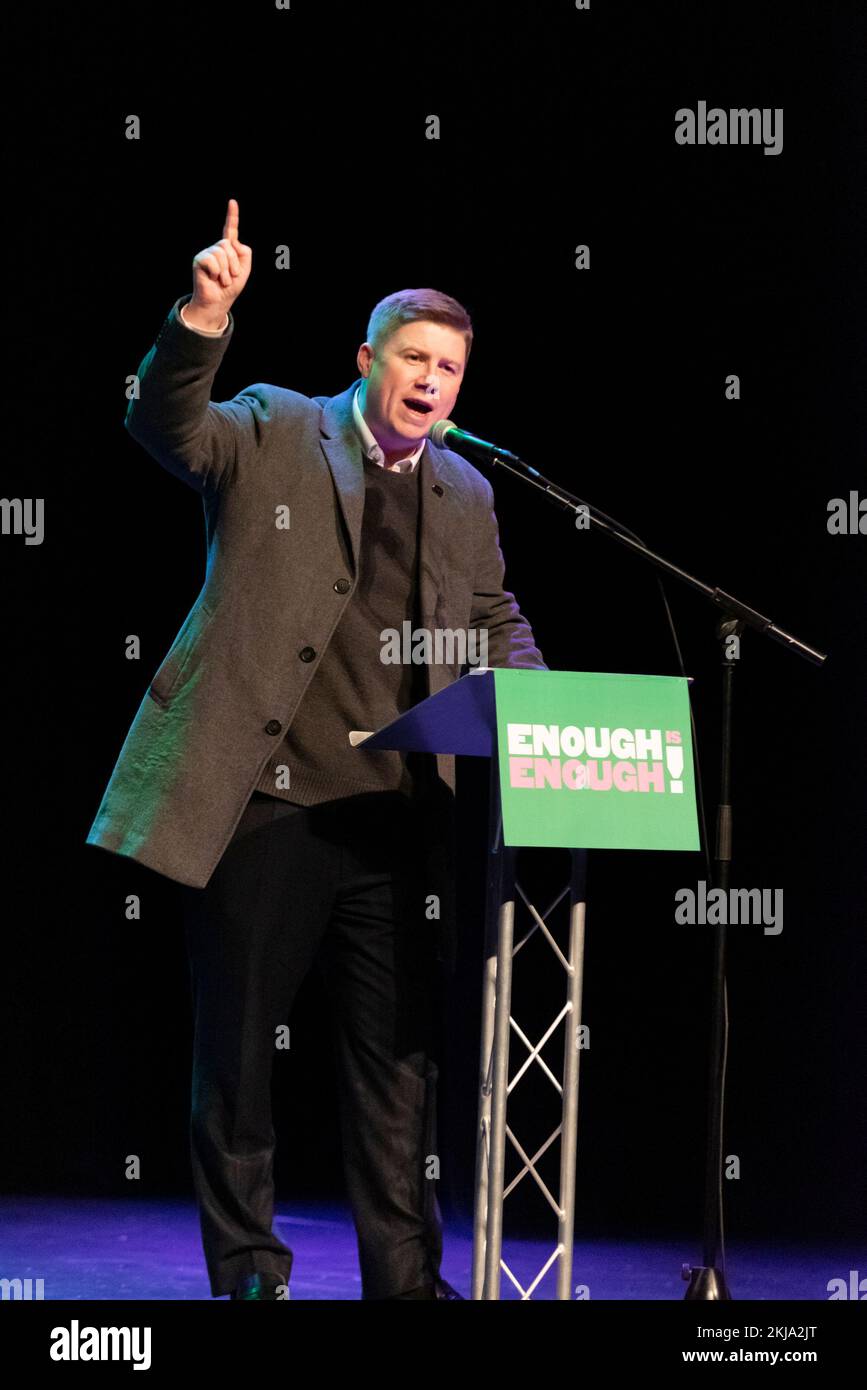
{"type": "Point", "coordinates": [273, 726]}
{"type": "Point", "coordinates": [307, 654]}
{"type": "Point", "coordinates": [343, 586]}
{"type": "Point", "coordinates": [437, 489]}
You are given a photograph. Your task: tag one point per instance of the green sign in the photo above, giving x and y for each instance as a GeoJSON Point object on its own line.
{"type": "Point", "coordinates": [595, 761]}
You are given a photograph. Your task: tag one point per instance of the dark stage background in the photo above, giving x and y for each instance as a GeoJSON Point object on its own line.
{"type": "Point", "coordinates": [557, 130]}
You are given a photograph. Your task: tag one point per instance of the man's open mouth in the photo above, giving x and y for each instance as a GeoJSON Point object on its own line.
{"type": "Point", "coordinates": [418, 407]}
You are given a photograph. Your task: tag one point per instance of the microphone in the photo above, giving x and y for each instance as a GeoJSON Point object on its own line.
{"type": "Point", "coordinates": [446, 435]}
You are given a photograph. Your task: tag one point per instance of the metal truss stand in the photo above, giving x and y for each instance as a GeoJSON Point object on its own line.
{"type": "Point", "coordinates": [494, 1084]}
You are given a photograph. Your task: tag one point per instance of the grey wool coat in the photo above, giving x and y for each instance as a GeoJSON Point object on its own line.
{"type": "Point", "coordinates": [231, 683]}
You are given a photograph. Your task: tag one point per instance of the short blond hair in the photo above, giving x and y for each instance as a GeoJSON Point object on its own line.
{"type": "Point", "coordinates": [413, 306]}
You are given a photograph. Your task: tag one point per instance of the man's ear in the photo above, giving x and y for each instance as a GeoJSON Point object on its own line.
{"type": "Point", "coordinates": [364, 359]}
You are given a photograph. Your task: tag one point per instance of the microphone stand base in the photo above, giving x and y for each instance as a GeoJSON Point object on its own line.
{"type": "Point", "coordinates": [705, 1284]}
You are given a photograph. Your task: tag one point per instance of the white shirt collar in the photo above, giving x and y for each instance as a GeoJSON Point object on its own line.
{"type": "Point", "coordinates": [373, 451]}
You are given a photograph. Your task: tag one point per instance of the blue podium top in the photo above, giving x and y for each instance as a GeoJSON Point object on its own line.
{"type": "Point", "coordinates": [460, 719]}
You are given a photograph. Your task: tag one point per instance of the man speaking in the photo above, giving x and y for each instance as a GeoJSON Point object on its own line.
{"type": "Point", "coordinates": [330, 522]}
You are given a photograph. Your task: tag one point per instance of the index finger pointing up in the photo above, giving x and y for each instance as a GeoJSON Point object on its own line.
{"type": "Point", "coordinates": [230, 227]}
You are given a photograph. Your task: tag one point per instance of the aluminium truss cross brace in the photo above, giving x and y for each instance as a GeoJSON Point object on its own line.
{"type": "Point", "coordinates": [494, 1085]}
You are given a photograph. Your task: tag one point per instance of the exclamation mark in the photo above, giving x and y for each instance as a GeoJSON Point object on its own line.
{"type": "Point", "coordinates": [674, 759]}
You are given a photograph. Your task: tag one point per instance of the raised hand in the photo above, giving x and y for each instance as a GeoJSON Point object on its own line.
{"type": "Point", "coordinates": [220, 272]}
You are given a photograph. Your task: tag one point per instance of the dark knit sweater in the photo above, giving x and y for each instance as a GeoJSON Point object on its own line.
{"type": "Point", "coordinates": [352, 688]}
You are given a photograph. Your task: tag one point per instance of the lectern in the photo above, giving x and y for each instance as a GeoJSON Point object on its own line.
{"type": "Point", "coordinates": [579, 760]}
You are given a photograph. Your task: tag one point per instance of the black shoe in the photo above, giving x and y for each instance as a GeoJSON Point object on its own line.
{"type": "Point", "coordinates": [438, 1289]}
{"type": "Point", "coordinates": [444, 1290]}
{"type": "Point", "coordinates": [263, 1286]}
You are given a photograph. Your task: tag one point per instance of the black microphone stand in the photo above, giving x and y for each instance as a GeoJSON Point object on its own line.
{"type": "Point", "coordinates": [707, 1281]}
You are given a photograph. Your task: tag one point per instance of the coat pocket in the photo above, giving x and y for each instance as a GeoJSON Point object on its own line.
{"type": "Point", "coordinates": [179, 662]}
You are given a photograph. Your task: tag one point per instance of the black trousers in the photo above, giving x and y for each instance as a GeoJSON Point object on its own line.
{"type": "Point", "coordinates": [341, 884]}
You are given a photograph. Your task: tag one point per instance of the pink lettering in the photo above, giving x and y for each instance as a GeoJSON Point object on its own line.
{"type": "Point", "coordinates": [594, 781]}
{"type": "Point", "coordinates": [574, 774]}
{"type": "Point", "coordinates": [547, 772]}
{"type": "Point", "coordinates": [624, 777]}
{"type": "Point", "coordinates": [650, 775]}
{"type": "Point", "coordinates": [520, 772]}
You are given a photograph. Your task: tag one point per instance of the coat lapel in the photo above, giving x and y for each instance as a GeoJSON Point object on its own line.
{"type": "Point", "coordinates": [437, 495]}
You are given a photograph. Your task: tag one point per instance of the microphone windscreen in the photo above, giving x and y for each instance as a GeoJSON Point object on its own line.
{"type": "Point", "coordinates": [439, 430]}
